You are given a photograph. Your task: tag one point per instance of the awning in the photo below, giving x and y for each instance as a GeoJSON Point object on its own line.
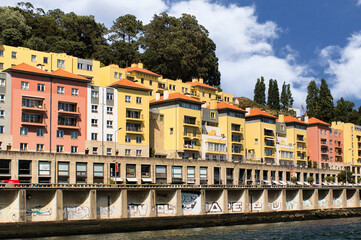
{"type": "Point", "coordinates": [271, 139]}
{"type": "Point", "coordinates": [29, 96]}
{"type": "Point", "coordinates": [190, 181]}
{"type": "Point", "coordinates": [129, 179]}
{"type": "Point", "coordinates": [148, 180]}
{"type": "Point", "coordinates": [134, 108]}
{"type": "Point", "coordinates": [269, 129]}
{"type": "Point", "coordinates": [118, 179]}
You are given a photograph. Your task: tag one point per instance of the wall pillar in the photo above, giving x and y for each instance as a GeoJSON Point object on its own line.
{"type": "Point", "coordinates": [315, 199]}
{"type": "Point", "coordinates": [225, 201]}
{"type": "Point", "coordinates": [357, 198]}
{"type": "Point", "coordinates": [22, 205]}
{"type": "Point", "coordinates": [93, 204]}
{"type": "Point", "coordinates": [124, 203]}
{"type": "Point", "coordinates": [59, 204]}
{"type": "Point", "coordinates": [179, 211]}
{"type": "Point", "coordinates": [300, 199]}
{"type": "Point", "coordinates": [330, 198]}
{"type": "Point", "coordinates": [283, 200]}
{"type": "Point", "coordinates": [203, 201]}
{"type": "Point", "coordinates": [246, 200]}
{"type": "Point", "coordinates": [152, 205]}
{"type": "Point", "coordinates": [344, 198]}
{"type": "Point", "coordinates": [265, 200]}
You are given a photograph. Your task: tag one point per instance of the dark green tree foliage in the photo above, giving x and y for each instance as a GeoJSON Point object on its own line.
{"type": "Point", "coordinates": [286, 97]}
{"type": "Point", "coordinates": [273, 100]}
{"type": "Point", "coordinates": [312, 100]}
{"type": "Point", "coordinates": [343, 110]}
{"type": "Point", "coordinates": [344, 176]}
{"type": "Point", "coordinates": [259, 92]}
{"type": "Point", "coordinates": [179, 48]}
{"type": "Point", "coordinates": [354, 117]}
{"type": "Point", "coordinates": [326, 102]}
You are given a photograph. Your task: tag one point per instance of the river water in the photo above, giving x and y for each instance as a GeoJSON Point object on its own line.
{"type": "Point", "coordinates": [343, 228]}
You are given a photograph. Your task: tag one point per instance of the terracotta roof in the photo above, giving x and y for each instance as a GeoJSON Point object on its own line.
{"type": "Point", "coordinates": [142, 70]}
{"type": "Point", "coordinates": [289, 119]}
{"type": "Point", "coordinates": [23, 67]}
{"type": "Point", "coordinates": [258, 112]}
{"type": "Point", "coordinates": [176, 96]}
{"type": "Point", "coordinates": [197, 83]}
{"type": "Point", "coordinates": [317, 121]}
{"type": "Point", "coordinates": [65, 74]}
{"type": "Point", "coordinates": [129, 84]}
{"type": "Point", "coordinates": [224, 105]}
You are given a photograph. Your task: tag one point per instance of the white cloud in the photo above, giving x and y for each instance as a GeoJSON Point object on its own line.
{"type": "Point", "coordinates": [358, 3]}
{"type": "Point", "coordinates": [244, 45]}
{"type": "Point", "coordinates": [344, 67]}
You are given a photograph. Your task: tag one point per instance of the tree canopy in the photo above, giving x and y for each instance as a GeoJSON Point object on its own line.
{"type": "Point", "coordinates": [260, 92]}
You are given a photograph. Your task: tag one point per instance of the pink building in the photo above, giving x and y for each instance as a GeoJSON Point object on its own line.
{"type": "Point", "coordinates": [48, 109]}
{"type": "Point", "coordinates": [325, 144]}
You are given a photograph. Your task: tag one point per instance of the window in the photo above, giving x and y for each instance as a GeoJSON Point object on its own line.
{"type": "Point", "coordinates": [139, 139]}
{"type": "Point", "coordinates": [110, 96]}
{"type": "Point", "coordinates": [44, 168]}
{"type": "Point", "coordinates": [45, 60]}
{"type": "Point", "coordinates": [1, 53]}
{"type": "Point", "coordinates": [23, 146]}
{"type": "Point", "coordinates": [59, 133]}
{"type": "Point", "coordinates": [60, 63]}
{"type": "Point", "coordinates": [94, 122]}
{"type": "Point", "coordinates": [39, 147]}
{"type": "Point", "coordinates": [13, 55]}
{"type": "Point", "coordinates": [89, 67]}
{"type": "Point", "coordinates": [60, 90]}
{"type": "Point", "coordinates": [95, 94]}
{"type": "Point", "coordinates": [115, 75]}
{"type": "Point", "coordinates": [74, 92]}
{"type": "Point", "coordinates": [171, 131]}
{"type": "Point", "coordinates": [74, 149]}
{"type": "Point", "coordinates": [109, 137]}
{"type": "Point", "coordinates": [142, 80]}
{"type": "Point", "coordinates": [330, 142]}
{"type": "Point", "coordinates": [94, 108]}
{"type": "Point", "coordinates": [41, 87]}
{"type": "Point", "coordinates": [95, 150]}
{"type": "Point", "coordinates": [190, 174]}
{"type": "Point", "coordinates": [127, 98]}
{"type": "Point", "coordinates": [161, 174]}
{"type": "Point", "coordinates": [94, 136]}
{"type": "Point", "coordinates": [24, 131]}
{"type": "Point", "coordinates": [81, 172]}
{"type": "Point", "coordinates": [130, 171]}
{"type": "Point", "coordinates": [150, 82]}
{"type": "Point", "coordinates": [33, 58]}
{"type": "Point", "coordinates": [80, 66]}
{"type": "Point", "coordinates": [63, 172]}
{"type": "Point", "coordinates": [139, 100]}
{"type": "Point", "coordinates": [1, 66]}
{"type": "Point", "coordinates": [109, 124]}
{"type": "Point", "coordinates": [138, 152]}
{"type": "Point", "coordinates": [203, 175]}
{"type": "Point", "coordinates": [98, 173]}
{"type": "Point", "coordinates": [109, 110]}
{"type": "Point", "coordinates": [59, 148]}
{"type": "Point", "coordinates": [109, 151]}
{"type": "Point", "coordinates": [145, 171]}
{"type": "Point", "coordinates": [127, 139]}
{"type": "Point", "coordinates": [213, 115]}
{"type": "Point", "coordinates": [2, 82]}
{"type": "Point", "coordinates": [1, 131]}
{"type": "Point", "coordinates": [74, 135]}
{"type": "Point", "coordinates": [24, 86]}
{"type": "Point", "coordinates": [177, 174]}
{"type": "Point", "coordinates": [127, 152]}
{"type": "Point", "coordinates": [2, 113]}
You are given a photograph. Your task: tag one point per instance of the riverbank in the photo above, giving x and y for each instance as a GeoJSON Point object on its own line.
{"type": "Point", "coordinates": [78, 227]}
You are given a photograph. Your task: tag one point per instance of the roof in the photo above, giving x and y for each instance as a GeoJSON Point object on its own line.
{"type": "Point", "coordinates": [176, 96]}
{"type": "Point", "coordinates": [65, 74]}
{"type": "Point", "coordinates": [289, 119]}
{"type": "Point", "coordinates": [199, 84]}
{"type": "Point", "coordinates": [26, 68]}
{"type": "Point", "coordinates": [317, 121]}
{"type": "Point", "coordinates": [258, 112]}
{"type": "Point", "coordinates": [224, 105]}
{"type": "Point", "coordinates": [142, 70]}
{"type": "Point", "coordinates": [125, 83]}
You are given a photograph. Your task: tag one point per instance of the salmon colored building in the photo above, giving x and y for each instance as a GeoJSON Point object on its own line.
{"type": "Point", "coordinates": [325, 144]}
{"type": "Point", "coordinates": [48, 110]}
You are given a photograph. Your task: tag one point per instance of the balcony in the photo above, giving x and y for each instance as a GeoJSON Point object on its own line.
{"type": "Point", "coordinates": [191, 147]}
{"type": "Point", "coordinates": [191, 135]}
{"type": "Point", "coordinates": [301, 138]}
{"type": "Point", "coordinates": [237, 130]}
{"type": "Point", "coordinates": [35, 124]}
{"type": "Point", "coordinates": [135, 118]}
{"type": "Point", "coordinates": [133, 130]}
{"type": "Point", "coordinates": [191, 123]}
{"type": "Point", "coordinates": [34, 108]}
{"type": "Point", "coordinates": [32, 120]}
{"type": "Point", "coordinates": [70, 126]}
{"type": "Point", "coordinates": [75, 112]}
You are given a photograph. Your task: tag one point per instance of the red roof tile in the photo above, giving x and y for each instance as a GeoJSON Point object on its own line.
{"type": "Point", "coordinates": [142, 70]}
{"type": "Point", "coordinates": [197, 83]}
{"type": "Point", "coordinates": [128, 84]}
{"type": "Point", "coordinates": [62, 73]}
{"type": "Point", "coordinates": [224, 105]}
{"type": "Point", "coordinates": [23, 67]}
{"type": "Point", "coordinates": [258, 112]}
{"type": "Point", "coordinates": [174, 96]}
{"type": "Point", "coordinates": [289, 119]}
{"type": "Point", "coordinates": [317, 121]}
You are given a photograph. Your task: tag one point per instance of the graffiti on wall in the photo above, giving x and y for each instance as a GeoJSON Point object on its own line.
{"type": "Point", "coordinates": [77, 212]}
{"type": "Point", "coordinates": [234, 206]}
{"type": "Point", "coordinates": [165, 209]}
{"type": "Point", "coordinates": [213, 207]}
{"type": "Point", "coordinates": [274, 206]}
{"type": "Point", "coordinates": [256, 206]}
{"type": "Point", "coordinates": [137, 210]}
{"type": "Point", "coordinates": [191, 203]}
{"type": "Point", "coordinates": [307, 204]}
{"type": "Point", "coordinates": [337, 202]}
{"type": "Point", "coordinates": [38, 211]}
{"type": "Point", "coordinates": [322, 203]}
{"type": "Point", "coordinates": [291, 205]}
{"type": "Point", "coordinates": [105, 211]}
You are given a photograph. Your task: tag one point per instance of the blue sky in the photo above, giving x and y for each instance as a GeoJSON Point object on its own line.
{"type": "Point", "coordinates": [288, 40]}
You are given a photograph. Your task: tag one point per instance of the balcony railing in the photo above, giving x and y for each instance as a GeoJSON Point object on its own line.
{"type": "Point", "coordinates": [69, 111]}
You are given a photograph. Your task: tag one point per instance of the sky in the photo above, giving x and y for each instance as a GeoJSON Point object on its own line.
{"type": "Point", "coordinates": [291, 41]}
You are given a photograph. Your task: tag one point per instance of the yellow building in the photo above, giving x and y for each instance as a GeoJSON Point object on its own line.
{"type": "Point", "coordinates": [48, 61]}
{"type": "Point", "coordinates": [291, 141]}
{"type": "Point", "coordinates": [176, 126]}
{"type": "Point", "coordinates": [351, 142]}
{"type": "Point", "coordinates": [261, 136]}
{"type": "Point", "coordinates": [111, 74]}
{"type": "Point", "coordinates": [132, 134]}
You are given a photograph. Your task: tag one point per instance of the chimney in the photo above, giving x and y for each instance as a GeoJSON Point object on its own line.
{"type": "Point", "coordinates": [201, 80]}
{"type": "Point", "coordinates": [166, 94]}
{"type": "Point", "coordinates": [157, 96]}
{"type": "Point", "coordinates": [134, 65]}
{"type": "Point", "coordinates": [140, 65]}
{"type": "Point", "coordinates": [194, 79]}
{"type": "Point", "coordinates": [281, 118]}
{"type": "Point", "coordinates": [248, 111]}
{"type": "Point", "coordinates": [306, 119]}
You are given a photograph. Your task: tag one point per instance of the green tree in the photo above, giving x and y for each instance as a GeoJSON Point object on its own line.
{"type": "Point", "coordinates": [312, 100]}
{"type": "Point", "coordinates": [326, 102]}
{"type": "Point", "coordinates": [180, 48]}
{"type": "Point", "coordinates": [354, 117]}
{"type": "Point", "coordinates": [259, 92]}
{"type": "Point", "coordinates": [273, 100]}
{"type": "Point", "coordinates": [126, 28]}
{"type": "Point", "coordinates": [342, 110]}
{"type": "Point", "coordinates": [310, 180]}
{"type": "Point", "coordinates": [341, 176]}
{"type": "Point", "coordinates": [286, 97]}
